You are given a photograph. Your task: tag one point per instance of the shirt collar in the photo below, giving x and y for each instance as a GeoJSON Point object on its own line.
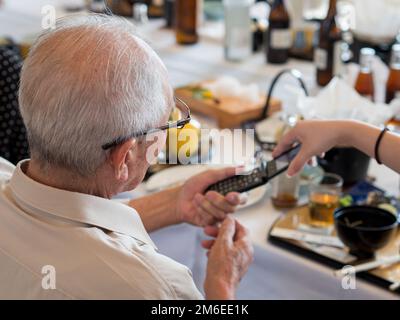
{"type": "Point", "coordinates": [76, 207]}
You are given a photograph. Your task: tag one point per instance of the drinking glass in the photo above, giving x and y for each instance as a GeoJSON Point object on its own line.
{"type": "Point", "coordinates": [324, 199]}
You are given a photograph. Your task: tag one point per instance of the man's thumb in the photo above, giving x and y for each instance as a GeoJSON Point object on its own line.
{"type": "Point", "coordinates": [227, 230]}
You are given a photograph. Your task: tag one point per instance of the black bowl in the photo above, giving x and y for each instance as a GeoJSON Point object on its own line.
{"type": "Point", "coordinates": [375, 229]}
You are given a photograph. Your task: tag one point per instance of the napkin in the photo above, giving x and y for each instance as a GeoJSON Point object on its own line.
{"type": "Point", "coordinates": [227, 86]}
{"type": "Point", "coordinates": [338, 100]}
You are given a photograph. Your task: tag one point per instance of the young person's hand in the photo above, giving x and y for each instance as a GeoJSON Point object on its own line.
{"type": "Point", "coordinates": [315, 136]}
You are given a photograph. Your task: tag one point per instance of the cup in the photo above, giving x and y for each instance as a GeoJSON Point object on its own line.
{"type": "Point", "coordinates": [324, 198]}
{"type": "Point", "coordinates": [285, 191]}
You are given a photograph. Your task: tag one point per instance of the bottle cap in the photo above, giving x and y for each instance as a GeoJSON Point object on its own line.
{"type": "Point", "coordinates": [396, 47]}
{"type": "Point", "coordinates": [367, 52]}
{"type": "Point", "coordinates": [366, 56]}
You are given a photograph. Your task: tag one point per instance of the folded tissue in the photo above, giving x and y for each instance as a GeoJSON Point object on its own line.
{"type": "Point", "coordinates": [339, 100]}
{"type": "Point", "coordinates": [227, 86]}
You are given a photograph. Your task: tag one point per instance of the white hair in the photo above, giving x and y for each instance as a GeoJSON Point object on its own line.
{"type": "Point", "coordinates": [86, 83]}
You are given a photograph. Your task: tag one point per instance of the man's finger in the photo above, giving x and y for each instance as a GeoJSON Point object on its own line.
{"type": "Point", "coordinates": [246, 248]}
{"type": "Point", "coordinates": [235, 198]}
{"type": "Point", "coordinates": [241, 231]}
{"type": "Point", "coordinates": [207, 244]}
{"type": "Point", "coordinates": [212, 176]}
{"type": "Point", "coordinates": [227, 230]}
{"type": "Point", "coordinates": [206, 218]}
{"type": "Point", "coordinates": [221, 202]}
{"type": "Point", "coordinates": [211, 231]}
{"type": "Point", "coordinates": [208, 207]}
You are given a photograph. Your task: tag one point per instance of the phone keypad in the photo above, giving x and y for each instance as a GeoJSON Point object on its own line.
{"type": "Point", "coordinates": [240, 183]}
{"type": "Point", "coordinates": [257, 177]}
{"type": "Point", "coordinates": [271, 168]}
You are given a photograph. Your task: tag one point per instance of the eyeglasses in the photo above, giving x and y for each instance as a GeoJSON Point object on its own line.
{"type": "Point", "coordinates": [180, 108]}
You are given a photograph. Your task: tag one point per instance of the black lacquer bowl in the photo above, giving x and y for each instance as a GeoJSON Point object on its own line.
{"type": "Point", "coordinates": [365, 229]}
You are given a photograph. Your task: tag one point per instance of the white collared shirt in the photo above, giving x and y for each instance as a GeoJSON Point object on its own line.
{"type": "Point", "coordinates": [56, 244]}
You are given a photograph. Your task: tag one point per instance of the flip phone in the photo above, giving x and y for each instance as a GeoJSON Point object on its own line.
{"type": "Point", "coordinates": [257, 177]}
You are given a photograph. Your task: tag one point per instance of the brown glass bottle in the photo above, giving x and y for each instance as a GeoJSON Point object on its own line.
{"type": "Point", "coordinates": [365, 82]}
{"type": "Point", "coordinates": [155, 8]}
{"type": "Point", "coordinates": [279, 37]}
{"type": "Point", "coordinates": [393, 82]}
{"type": "Point", "coordinates": [326, 55]}
{"type": "Point", "coordinates": [186, 21]}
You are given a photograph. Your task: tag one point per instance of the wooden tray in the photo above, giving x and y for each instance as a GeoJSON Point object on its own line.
{"type": "Point", "coordinates": [383, 277]}
{"type": "Point", "coordinates": [229, 112]}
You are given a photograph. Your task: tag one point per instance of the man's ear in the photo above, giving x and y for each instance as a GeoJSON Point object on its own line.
{"type": "Point", "coordinates": [120, 157]}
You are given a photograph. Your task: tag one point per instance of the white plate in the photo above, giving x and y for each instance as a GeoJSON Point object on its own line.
{"type": "Point", "coordinates": [177, 175]}
{"type": "Point", "coordinates": [255, 196]}
{"type": "Point", "coordinates": [173, 176]}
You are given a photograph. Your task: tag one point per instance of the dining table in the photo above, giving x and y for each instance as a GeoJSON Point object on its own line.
{"type": "Point", "coordinates": [276, 273]}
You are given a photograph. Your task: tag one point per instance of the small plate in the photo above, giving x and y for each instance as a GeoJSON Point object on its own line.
{"type": "Point", "coordinates": [255, 196]}
{"type": "Point", "coordinates": [173, 176]}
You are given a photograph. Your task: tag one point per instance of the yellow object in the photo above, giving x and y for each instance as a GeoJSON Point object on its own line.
{"type": "Point", "coordinates": [25, 48]}
{"type": "Point", "coordinates": [208, 94]}
{"type": "Point", "coordinates": [175, 115]}
{"type": "Point", "coordinates": [183, 143]}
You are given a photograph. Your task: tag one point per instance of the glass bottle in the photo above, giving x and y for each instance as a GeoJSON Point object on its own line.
{"type": "Point", "coordinates": [98, 6]}
{"type": "Point", "coordinates": [327, 54]}
{"type": "Point", "coordinates": [186, 18]}
{"type": "Point", "coordinates": [155, 8]}
{"type": "Point", "coordinates": [365, 81]}
{"type": "Point", "coordinates": [279, 37]}
{"type": "Point", "coordinates": [393, 82]}
{"type": "Point", "coordinates": [238, 33]}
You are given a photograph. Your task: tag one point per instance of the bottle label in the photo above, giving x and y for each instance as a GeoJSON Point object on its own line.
{"type": "Point", "coordinates": [321, 58]}
{"type": "Point", "coordinates": [281, 38]}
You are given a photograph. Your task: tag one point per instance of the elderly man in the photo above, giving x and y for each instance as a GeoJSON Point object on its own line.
{"type": "Point", "coordinates": [90, 91]}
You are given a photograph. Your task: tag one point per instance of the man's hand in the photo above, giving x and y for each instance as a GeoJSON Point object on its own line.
{"type": "Point", "coordinates": [197, 208]}
{"type": "Point", "coordinates": [229, 257]}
